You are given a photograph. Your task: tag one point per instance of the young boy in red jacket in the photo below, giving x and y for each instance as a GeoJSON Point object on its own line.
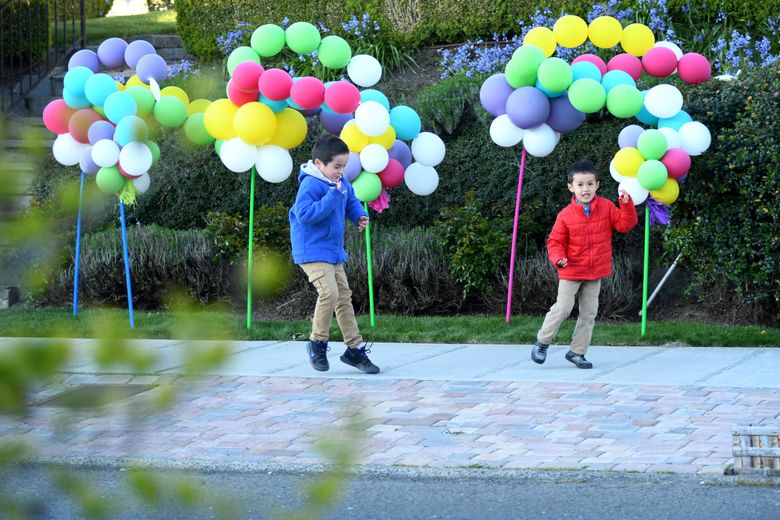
{"type": "Point", "coordinates": [580, 247]}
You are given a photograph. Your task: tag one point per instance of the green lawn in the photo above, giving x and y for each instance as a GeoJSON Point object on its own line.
{"type": "Point", "coordinates": [455, 329]}
{"type": "Point", "coordinates": [157, 22]}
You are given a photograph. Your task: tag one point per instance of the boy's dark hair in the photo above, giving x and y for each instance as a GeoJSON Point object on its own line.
{"type": "Point", "coordinates": [328, 147]}
{"type": "Point", "coordinates": [583, 166]}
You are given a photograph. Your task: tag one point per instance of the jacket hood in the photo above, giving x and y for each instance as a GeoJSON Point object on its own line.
{"type": "Point", "coordinates": [311, 169]}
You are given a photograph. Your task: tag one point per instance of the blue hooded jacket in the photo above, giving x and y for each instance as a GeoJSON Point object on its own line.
{"type": "Point", "coordinates": [318, 215]}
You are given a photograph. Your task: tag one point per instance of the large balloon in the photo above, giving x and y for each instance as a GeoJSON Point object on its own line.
{"type": "Point", "coordinates": [274, 163]}
{"type": "Point", "coordinates": [237, 155]}
{"type": "Point", "coordinates": [570, 31]}
{"type": "Point", "coordinates": [406, 122]}
{"type": "Point", "coordinates": [364, 70]}
{"type": "Point", "coordinates": [255, 123]}
{"type": "Point", "coordinates": [493, 94]}
{"type": "Point", "coordinates": [372, 118]}
{"type": "Point", "coordinates": [695, 138]}
{"type": "Point", "coordinates": [540, 141]}
{"type": "Point", "coordinates": [367, 186]}
{"type": "Point", "coordinates": [563, 116]}
{"type": "Point", "coordinates": [504, 133]}
{"type": "Point", "coordinates": [428, 149]}
{"type": "Point", "coordinates": [374, 158]}
{"type": "Point", "coordinates": [67, 151]}
{"type": "Point", "coordinates": [663, 100]}
{"type": "Point", "coordinates": [420, 179]}
{"type": "Point", "coordinates": [528, 107]}
{"type": "Point", "coordinates": [56, 116]}
{"type": "Point", "coordinates": [135, 159]}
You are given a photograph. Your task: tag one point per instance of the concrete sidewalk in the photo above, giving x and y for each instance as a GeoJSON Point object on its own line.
{"type": "Point", "coordinates": [642, 409]}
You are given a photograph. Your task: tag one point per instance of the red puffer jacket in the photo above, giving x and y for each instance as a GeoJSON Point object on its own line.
{"type": "Point", "coordinates": [586, 241]}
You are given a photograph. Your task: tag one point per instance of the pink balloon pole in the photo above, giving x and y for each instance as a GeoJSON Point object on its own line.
{"type": "Point", "coordinates": [514, 238]}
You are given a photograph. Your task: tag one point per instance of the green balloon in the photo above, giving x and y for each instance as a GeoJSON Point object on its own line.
{"type": "Point", "coordinates": [99, 110]}
{"type": "Point", "coordinates": [241, 54]}
{"type": "Point", "coordinates": [530, 54]}
{"type": "Point", "coordinates": [624, 101]}
{"type": "Point", "coordinates": [554, 74]}
{"type": "Point", "coordinates": [268, 40]}
{"type": "Point", "coordinates": [652, 144]}
{"type": "Point", "coordinates": [144, 99]}
{"type": "Point", "coordinates": [587, 95]}
{"type": "Point", "coordinates": [196, 130]}
{"type": "Point", "coordinates": [218, 145]}
{"type": "Point", "coordinates": [367, 186]}
{"type": "Point", "coordinates": [652, 175]}
{"type": "Point", "coordinates": [155, 151]}
{"type": "Point", "coordinates": [109, 180]}
{"type": "Point", "coordinates": [303, 37]}
{"type": "Point", "coordinates": [518, 74]}
{"type": "Point", "coordinates": [170, 112]}
{"type": "Point", "coordinates": [334, 52]}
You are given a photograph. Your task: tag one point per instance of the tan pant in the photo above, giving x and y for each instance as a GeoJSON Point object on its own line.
{"type": "Point", "coordinates": [589, 305]}
{"type": "Point", "coordinates": [334, 295]}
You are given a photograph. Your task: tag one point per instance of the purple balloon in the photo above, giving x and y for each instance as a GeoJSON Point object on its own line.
{"type": "Point", "coordinates": [88, 166]}
{"type": "Point", "coordinates": [494, 93]}
{"type": "Point", "coordinates": [400, 152]}
{"type": "Point", "coordinates": [333, 122]}
{"type": "Point", "coordinates": [527, 107]}
{"type": "Point", "coordinates": [112, 53]}
{"type": "Point", "coordinates": [310, 112]}
{"type": "Point", "coordinates": [100, 130]}
{"type": "Point", "coordinates": [563, 116]}
{"type": "Point", "coordinates": [353, 167]}
{"type": "Point", "coordinates": [137, 50]}
{"type": "Point", "coordinates": [629, 136]}
{"type": "Point", "coordinates": [85, 58]}
{"type": "Point", "coordinates": [152, 66]}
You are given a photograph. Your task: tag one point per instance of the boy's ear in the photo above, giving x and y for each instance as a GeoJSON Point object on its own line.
{"type": "Point", "coordinates": [571, 188]}
{"type": "Point", "coordinates": [318, 163]}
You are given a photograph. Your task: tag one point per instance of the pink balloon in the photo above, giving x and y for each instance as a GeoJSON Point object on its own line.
{"type": "Point", "coordinates": [79, 124]}
{"type": "Point", "coordinates": [627, 63]}
{"type": "Point", "coordinates": [56, 116]}
{"type": "Point", "coordinates": [694, 68]}
{"type": "Point", "coordinates": [659, 62]}
{"type": "Point", "coordinates": [246, 75]}
{"type": "Point", "coordinates": [594, 60]}
{"type": "Point", "coordinates": [275, 84]}
{"type": "Point", "coordinates": [677, 162]}
{"type": "Point", "coordinates": [342, 97]}
{"type": "Point", "coordinates": [392, 175]}
{"type": "Point", "coordinates": [240, 97]}
{"type": "Point", "coordinates": [308, 92]}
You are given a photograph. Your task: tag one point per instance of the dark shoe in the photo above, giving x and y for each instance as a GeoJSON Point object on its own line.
{"type": "Point", "coordinates": [358, 358]}
{"type": "Point", "coordinates": [318, 355]}
{"type": "Point", "coordinates": [539, 352]}
{"type": "Point", "coordinates": [578, 360]}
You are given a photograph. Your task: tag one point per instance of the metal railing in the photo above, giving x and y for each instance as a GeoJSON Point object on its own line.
{"type": "Point", "coordinates": [35, 35]}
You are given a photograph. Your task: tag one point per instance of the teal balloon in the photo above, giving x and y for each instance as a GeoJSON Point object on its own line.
{"type": "Point", "coordinates": [587, 95]}
{"type": "Point", "coordinates": [74, 101]}
{"type": "Point", "coordinates": [239, 55]}
{"type": "Point", "coordinates": [334, 52]}
{"type": "Point", "coordinates": [76, 79]}
{"type": "Point", "coordinates": [549, 93]}
{"type": "Point", "coordinates": [406, 122]}
{"type": "Point", "coordinates": [98, 87]}
{"type": "Point", "coordinates": [119, 105]}
{"type": "Point", "coordinates": [585, 69]}
{"type": "Point", "coordinates": [613, 78]}
{"type": "Point", "coordinates": [303, 38]}
{"type": "Point", "coordinates": [268, 40]}
{"type": "Point", "coordinates": [675, 122]}
{"type": "Point", "coordinates": [371, 94]}
{"type": "Point", "coordinates": [554, 74]}
{"type": "Point", "coordinates": [367, 186]}
{"type": "Point", "coordinates": [644, 116]}
{"type": "Point", "coordinates": [129, 129]}
{"type": "Point", "coordinates": [652, 144]}
{"type": "Point", "coordinates": [276, 106]}
{"type": "Point", "coordinates": [624, 101]}
{"type": "Point", "coordinates": [652, 175]}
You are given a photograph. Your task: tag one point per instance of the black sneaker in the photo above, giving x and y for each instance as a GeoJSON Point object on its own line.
{"type": "Point", "coordinates": [318, 355]}
{"type": "Point", "coordinates": [578, 360]}
{"type": "Point", "coordinates": [358, 358]}
{"type": "Point", "coordinates": [539, 352]}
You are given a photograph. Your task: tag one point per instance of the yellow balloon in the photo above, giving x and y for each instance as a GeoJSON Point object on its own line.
{"type": "Point", "coordinates": [543, 38]}
{"type": "Point", "coordinates": [637, 39]}
{"type": "Point", "coordinates": [628, 160]}
{"type": "Point", "coordinates": [135, 81]}
{"type": "Point", "coordinates": [386, 140]}
{"type": "Point", "coordinates": [667, 193]}
{"type": "Point", "coordinates": [197, 106]}
{"type": "Point", "coordinates": [120, 86]}
{"type": "Point", "coordinates": [353, 137]}
{"type": "Point", "coordinates": [255, 123]}
{"type": "Point", "coordinates": [291, 129]}
{"type": "Point", "coordinates": [570, 31]}
{"type": "Point", "coordinates": [218, 119]}
{"type": "Point", "coordinates": [177, 93]}
{"type": "Point", "coordinates": [605, 32]}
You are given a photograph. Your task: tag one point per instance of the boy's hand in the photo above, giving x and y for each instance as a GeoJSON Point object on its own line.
{"type": "Point", "coordinates": [562, 262]}
{"type": "Point", "coordinates": [338, 185]}
{"type": "Point", "coordinates": [624, 197]}
{"type": "Point", "coordinates": [362, 223]}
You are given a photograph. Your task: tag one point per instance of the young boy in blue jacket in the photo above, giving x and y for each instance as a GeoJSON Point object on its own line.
{"type": "Point", "coordinates": [317, 218]}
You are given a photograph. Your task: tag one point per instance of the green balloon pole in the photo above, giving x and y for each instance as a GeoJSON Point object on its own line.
{"type": "Point", "coordinates": [645, 272]}
{"type": "Point", "coordinates": [370, 275]}
{"type": "Point", "coordinates": [249, 251]}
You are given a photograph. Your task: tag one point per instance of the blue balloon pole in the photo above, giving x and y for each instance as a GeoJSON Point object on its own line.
{"type": "Point", "coordinates": [78, 251]}
{"type": "Point", "coordinates": [127, 263]}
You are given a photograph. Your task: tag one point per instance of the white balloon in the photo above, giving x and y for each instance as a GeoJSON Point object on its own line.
{"type": "Point", "coordinates": [274, 163]}
{"type": "Point", "coordinates": [372, 118]}
{"type": "Point", "coordinates": [632, 186]}
{"type": "Point", "coordinates": [364, 70]}
{"type": "Point", "coordinates": [135, 159]}
{"type": "Point", "coordinates": [695, 138]}
{"type": "Point", "coordinates": [504, 133]}
{"type": "Point", "coordinates": [155, 88]}
{"type": "Point", "coordinates": [672, 137]}
{"type": "Point", "coordinates": [142, 183]}
{"type": "Point", "coordinates": [237, 155]}
{"type": "Point", "coordinates": [557, 137]}
{"type": "Point", "coordinates": [105, 153]}
{"type": "Point", "coordinates": [428, 149]}
{"type": "Point", "coordinates": [613, 171]}
{"type": "Point", "coordinates": [669, 45]}
{"type": "Point", "coordinates": [67, 151]}
{"type": "Point", "coordinates": [421, 179]}
{"type": "Point", "coordinates": [539, 141]}
{"type": "Point", "coordinates": [663, 100]}
{"type": "Point", "coordinates": [374, 158]}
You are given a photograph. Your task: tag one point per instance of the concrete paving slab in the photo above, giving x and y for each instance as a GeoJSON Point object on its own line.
{"type": "Point", "coordinates": [760, 370]}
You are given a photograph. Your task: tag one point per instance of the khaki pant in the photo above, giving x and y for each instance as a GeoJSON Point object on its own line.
{"type": "Point", "coordinates": [334, 294]}
{"type": "Point", "coordinates": [589, 305]}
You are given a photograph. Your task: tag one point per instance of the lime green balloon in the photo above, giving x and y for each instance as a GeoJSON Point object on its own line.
{"type": "Point", "coordinates": [303, 37]}
{"type": "Point", "coordinates": [554, 74]}
{"type": "Point", "coordinates": [155, 151]}
{"type": "Point", "coordinates": [367, 186]}
{"type": "Point", "coordinates": [268, 40]}
{"type": "Point", "coordinates": [99, 110]}
{"type": "Point", "coordinates": [144, 99]}
{"type": "Point", "coordinates": [652, 175]}
{"type": "Point", "coordinates": [239, 55]}
{"type": "Point", "coordinates": [521, 69]}
{"type": "Point", "coordinates": [624, 101]}
{"type": "Point", "coordinates": [530, 53]}
{"type": "Point", "coordinates": [587, 95]}
{"type": "Point", "coordinates": [170, 112]}
{"type": "Point", "coordinates": [334, 52]}
{"type": "Point", "coordinates": [196, 130]}
{"type": "Point", "coordinates": [652, 144]}
{"type": "Point", "coordinates": [109, 180]}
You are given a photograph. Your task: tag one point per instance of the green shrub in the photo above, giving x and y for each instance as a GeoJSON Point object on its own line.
{"type": "Point", "coordinates": [160, 5]}
{"type": "Point", "coordinates": [229, 234]}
